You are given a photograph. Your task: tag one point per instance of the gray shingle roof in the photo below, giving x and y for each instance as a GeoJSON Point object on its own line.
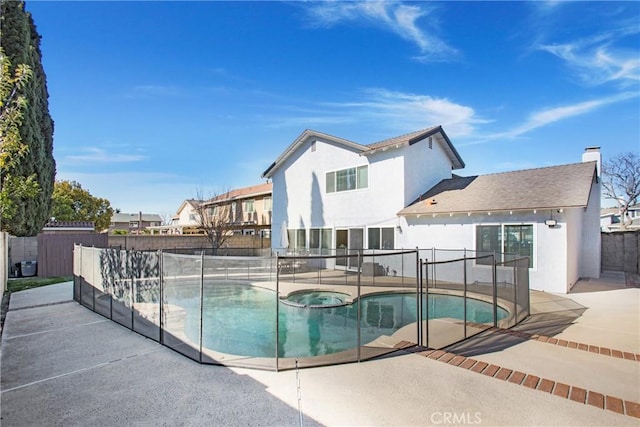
{"type": "Point", "coordinates": [543, 188]}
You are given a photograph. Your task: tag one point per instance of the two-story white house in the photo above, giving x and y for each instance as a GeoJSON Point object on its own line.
{"type": "Point", "coordinates": [331, 194]}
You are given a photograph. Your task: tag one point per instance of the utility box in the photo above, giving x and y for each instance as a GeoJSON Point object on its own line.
{"type": "Point", "coordinates": [28, 268]}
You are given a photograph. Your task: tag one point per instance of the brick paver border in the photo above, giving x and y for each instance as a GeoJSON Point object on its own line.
{"type": "Point", "coordinates": [576, 394]}
{"type": "Point", "coordinates": [562, 343]}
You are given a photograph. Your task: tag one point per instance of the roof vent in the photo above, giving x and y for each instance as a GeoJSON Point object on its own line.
{"type": "Point", "coordinates": [432, 202]}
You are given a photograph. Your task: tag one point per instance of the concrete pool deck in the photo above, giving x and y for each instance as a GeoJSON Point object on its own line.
{"type": "Point", "coordinates": [65, 365]}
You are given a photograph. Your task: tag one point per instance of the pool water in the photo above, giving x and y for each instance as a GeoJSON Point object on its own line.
{"type": "Point", "coordinates": [240, 320]}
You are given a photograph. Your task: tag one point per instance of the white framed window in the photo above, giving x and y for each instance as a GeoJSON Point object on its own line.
{"type": "Point", "coordinates": [320, 241]}
{"type": "Point", "coordinates": [510, 241]}
{"type": "Point", "coordinates": [248, 206]}
{"type": "Point", "coordinates": [267, 204]}
{"type": "Point", "coordinates": [347, 179]}
{"type": "Point", "coordinates": [381, 238]}
{"type": "Point", "coordinates": [297, 238]}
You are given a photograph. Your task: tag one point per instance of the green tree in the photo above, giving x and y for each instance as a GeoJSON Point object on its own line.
{"type": "Point", "coordinates": [21, 44]}
{"type": "Point", "coordinates": [13, 189]}
{"type": "Point", "coordinates": [73, 203]}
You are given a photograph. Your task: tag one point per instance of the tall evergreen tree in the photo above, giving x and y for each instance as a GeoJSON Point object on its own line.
{"type": "Point", "coordinates": [21, 43]}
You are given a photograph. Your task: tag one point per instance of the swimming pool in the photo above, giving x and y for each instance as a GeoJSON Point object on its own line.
{"type": "Point", "coordinates": [240, 319]}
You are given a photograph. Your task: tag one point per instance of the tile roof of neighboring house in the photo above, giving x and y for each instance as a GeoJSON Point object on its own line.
{"type": "Point", "coordinates": [398, 141]}
{"type": "Point", "coordinates": [126, 217]}
{"type": "Point", "coordinates": [85, 225]}
{"type": "Point", "coordinates": [243, 193]}
{"type": "Point", "coordinates": [543, 188]}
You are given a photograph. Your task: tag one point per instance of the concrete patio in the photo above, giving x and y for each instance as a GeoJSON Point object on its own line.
{"type": "Point", "coordinates": [65, 365]}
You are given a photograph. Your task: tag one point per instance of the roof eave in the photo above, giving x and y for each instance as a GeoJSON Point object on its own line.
{"type": "Point", "coordinates": [304, 136]}
{"type": "Point", "coordinates": [485, 211]}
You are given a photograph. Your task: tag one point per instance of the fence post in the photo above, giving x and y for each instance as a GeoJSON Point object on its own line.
{"type": "Point", "coordinates": [277, 308]}
{"type": "Point", "coordinates": [359, 313]}
{"type": "Point", "coordinates": [515, 293]}
{"type": "Point", "coordinates": [131, 287]}
{"type": "Point", "coordinates": [201, 300]}
{"type": "Point", "coordinates": [161, 295]}
{"type": "Point", "coordinates": [494, 284]}
{"type": "Point", "coordinates": [419, 298]}
{"type": "Point", "coordinates": [426, 301]}
{"type": "Point", "coordinates": [93, 277]}
{"type": "Point", "coordinates": [464, 293]}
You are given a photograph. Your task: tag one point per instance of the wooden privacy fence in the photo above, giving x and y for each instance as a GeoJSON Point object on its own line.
{"type": "Point", "coordinates": [55, 251]}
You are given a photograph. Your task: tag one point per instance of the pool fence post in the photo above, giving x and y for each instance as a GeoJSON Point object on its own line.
{"type": "Point", "coordinates": [111, 290]}
{"type": "Point", "coordinates": [426, 301]}
{"type": "Point", "coordinates": [81, 277]}
{"type": "Point", "coordinates": [515, 292]}
{"type": "Point", "coordinates": [419, 297]}
{"type": "Point", "coordinates": [130, 268]}
{"type": "Point", "coordinates": [433, 272]}
{"type": "Point", "coordinates": [93, 278]}
{"type": "Point", "coordinates": [494, 284]}
{"type": "Point", "coordinates": [358, 325]}
{"type": "Point", "coordinates": [161, 296]}
{"type": "Point", "coordinates": [277, 307]}
{"type": "Point", "coordinates": [464, 300]}
{"type": "Point", "coordinates": [201, 299]}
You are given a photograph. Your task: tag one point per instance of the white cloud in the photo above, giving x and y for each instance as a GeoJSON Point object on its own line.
{"type": "Point", "coordinates": [99, 155]}
{"type": "Point", "coordinates": [382, 108]}
{"type": "Point", "coordinates": [396, 17]}
{"type": "Point", "coordinates": [412, 111]}
{"type": "Point", "coordinates": [600, 59]}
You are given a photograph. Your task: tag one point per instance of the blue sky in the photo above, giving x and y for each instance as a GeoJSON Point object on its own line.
{"type": "Point", "coordinates": [156, 102]}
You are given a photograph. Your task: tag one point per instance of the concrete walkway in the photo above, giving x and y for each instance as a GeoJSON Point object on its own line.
{"type": "Point", "coordinates": [65, 365]}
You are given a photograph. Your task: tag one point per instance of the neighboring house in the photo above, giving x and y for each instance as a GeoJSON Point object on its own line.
{"type": "Point", "coordinates": [60, 227]}
{"type": "Point", "coordinates": [247, 209]}
{"type": "Point", "coordinates": [185, 220]}
{"type": "Point", "coordinates": [610, 219]}
{"type": "Point", "coordinates": [331, 194]}
{"type": "Point", "coordinates": [134, 223]}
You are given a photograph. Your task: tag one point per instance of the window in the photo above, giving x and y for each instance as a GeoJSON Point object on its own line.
{"type": "Point", "coordinates": [331, 182]}
{"type": "Point", "coordinates": [381, 238]}
{"type": "Point", "coordinates": [268, 204]}
{"type": "Point", "coordinates": [248, 206]}
{"type": "Point", "coordinates": [313, 145]}
{"type": "Point", "coordinates": [320, 240]}
{"type": "Point", "coordinates": [507, 241]}
{"type": "Point", "coordinates": [518, 242]}
{"type": "Point", "coordinates": [233, 211]}
{"type": "Point", "coordinates": [192, 217]}
{"type": "Point", "coordinates": [297, 238]}
{"type": "Point", "coordinates": [347, 179]}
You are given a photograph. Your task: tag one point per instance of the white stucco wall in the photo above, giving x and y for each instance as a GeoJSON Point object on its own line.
{"type": "Point", "coordinates": [591, 239]}
{"type": "Point", "coordinates": [549, 272]}
{"type": "Point", "coordinates": [300, 199]}
{"type": "Point", "coordinates": [424, 167]}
